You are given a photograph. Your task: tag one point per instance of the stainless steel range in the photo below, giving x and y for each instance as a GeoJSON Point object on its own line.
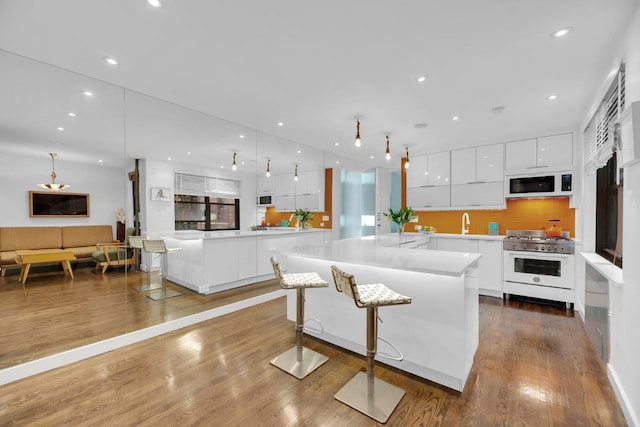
{"type": "Point", "coordinates": [539, 266]}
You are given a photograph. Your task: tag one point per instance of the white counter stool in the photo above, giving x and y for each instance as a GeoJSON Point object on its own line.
{"type": "Point", "coordinates": [159, 247]}
{"type": "Point", "coordinates": [298, 361]}
{"type": "Point", "coordinates": [136, 243]}
{"type": "Point", "coordinates": [364, 392]}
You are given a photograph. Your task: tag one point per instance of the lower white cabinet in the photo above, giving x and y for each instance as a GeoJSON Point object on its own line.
{"type": "Point", "coordinates": [490, 267]}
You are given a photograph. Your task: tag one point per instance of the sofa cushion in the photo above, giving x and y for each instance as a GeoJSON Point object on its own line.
{"type": "Point", "coordinates": [86, 235]}
{"type": "Point", "coordinates": [7, 258]}
{"type": "Point", "coordinates": [16, 238]}
{"type": "Point", "coordinates": [83, 252]}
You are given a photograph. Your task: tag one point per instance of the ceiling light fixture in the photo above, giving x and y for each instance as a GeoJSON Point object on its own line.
{"type": "Point", "coordinates": [280, 124]}
{"type": "Point", "coordinates": [154, 3]}
{"type": "Point", "coordinates": [60, 128]}
{"type": "Point", "coordinates": [455, 118]}
{"type": "Point", "coordinates": [406, 163]}
{"type": "Point", "coordinates": [53, 186]}
{"type": "Point", "coordinates": [71, 114]}
{"type": "Point", "coordinates": [268, 174]}
{"type": "Point", "coordinates": [295, 174]}
{"type": "Point", "coordinates": [387, 154]}
{"type": "Point", "coordinates": [87, 92]}
{"type": "Point", "coordinates": [358, 143]}
{"type": "Point", "coordinates": [552, 97]}
{"type": "Point", "coordinates": [234, 166]}
{"type": "Point", "coordinates": [421, 79]}
{"type": "Point", "coordinates": [110, 61]}
{"type": "Point", "coordinates": [561, 32]}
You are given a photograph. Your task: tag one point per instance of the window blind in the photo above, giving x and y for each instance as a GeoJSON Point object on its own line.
{"type": "Point", "coordinates": [197, 185]}
{"type": "Point", "coordinates": [599, 133]}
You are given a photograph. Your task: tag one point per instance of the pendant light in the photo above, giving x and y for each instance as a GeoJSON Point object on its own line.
{"type": "Point", "coordinates": [387, 154]}
{"type": "Point", "coordinates": [358, 132]}
{"type": "Point", "coordinates": [295, 174]}
{"type": "Point", "coordinates": [53, 186]}
{"type": "Point", "coordinates": [234, 166]}
{"type": "Point", "coordinates": [268, 174]}
{"type": "Point", "coordinates": [406, 163]}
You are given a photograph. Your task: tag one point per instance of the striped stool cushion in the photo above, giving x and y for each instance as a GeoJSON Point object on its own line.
{"type": "Point", "coordinates": [302, 280]}
{"type": "Point", "coordinates": [379, 294]}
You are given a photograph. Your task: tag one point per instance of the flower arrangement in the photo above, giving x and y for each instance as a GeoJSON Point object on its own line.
{"type": "Point", "coordinates": [120, 215]}
{"type": "Point", "coordinates": [303, 215]}
{"type": "Point", "coordinates": [401, 216]}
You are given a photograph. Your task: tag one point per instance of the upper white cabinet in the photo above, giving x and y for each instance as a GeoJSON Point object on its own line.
{"type": "Point", "coordinates": [477, 176]}
{"type": "Point", "coordinates": [305, 193]}
{"type": "Point", "coordinates": [428, 181]}
{"type": "Point", "coordinates": [266, 185]}
{"type": "Point", "coordinates": [543, 154]}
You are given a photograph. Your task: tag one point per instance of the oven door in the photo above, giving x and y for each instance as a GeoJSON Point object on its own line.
{"type": "Point", "coordinates": [553, 270]}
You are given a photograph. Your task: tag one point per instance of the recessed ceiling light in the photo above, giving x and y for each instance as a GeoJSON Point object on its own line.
{"type": "Point", "coordinates": [168, 158]}
{"type": "Point", "coordinates": [420, 125]}
{"type": "Point", "coordinates": [421, 79]}
{"type": "Point", "coordinates": [88, 92]}
{"type": "Point", "coordinates": [154, 3]}
{"type": "Point", "coordinates": [371, 157]}
{"type": "Point", "coordinates": [336, 144]}
{"type": "Point", "coordinates": [71, 114]}
{"type": "Point", "coordinates": [188, 153]}
{"type": "Point", "coordinates": [60, 128]}
{"type": "Point", "coordinates": [455, 118]}
{"type": "Point", "coordinates": [241, 136]}
{"type": "Point", "coordinates": [100, 161]}
{"type": "Point", "coordinates": [552, 97]}
{"type": "Point", "coordinates": [337, 162]}
{"type": "Point", "coordinates": [110, 61]}
{"type": "Point", "coordinates": [280, 124]}
{"type": "Point", "coordinates": [299, 151]}
{"type": "Point", "coordinates": [561, 32]}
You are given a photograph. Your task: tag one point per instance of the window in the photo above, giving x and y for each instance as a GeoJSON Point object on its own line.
{"type": "Point", "coordinates": [206, 203]}
{"type": "Point", "coordinates": [206, 213]}
{"type": "Point", "coordinates": [609, 212]}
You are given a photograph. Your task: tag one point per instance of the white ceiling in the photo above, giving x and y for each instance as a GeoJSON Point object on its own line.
{"type": "Point", "coordinates": [315, 66]}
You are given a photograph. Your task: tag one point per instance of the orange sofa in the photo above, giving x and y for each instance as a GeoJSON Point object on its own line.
{"type": "Point", "coordinates": [81, 239]}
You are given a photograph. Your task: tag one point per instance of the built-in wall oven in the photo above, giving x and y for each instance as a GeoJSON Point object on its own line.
{"type": "Point", "coordinates": [539, 267]}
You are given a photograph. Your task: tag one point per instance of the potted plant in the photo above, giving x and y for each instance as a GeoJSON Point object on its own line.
{"type": "Point", "coordinates": [401, 217]}
{"type": "Point", "coordinates": [303, 215]}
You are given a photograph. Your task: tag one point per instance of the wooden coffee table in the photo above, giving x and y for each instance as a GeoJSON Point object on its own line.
{"type": "Point", "coordinates": [43, 256]}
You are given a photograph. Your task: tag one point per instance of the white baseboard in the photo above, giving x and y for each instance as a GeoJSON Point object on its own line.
{"type": "Point", "coordinates": [625, 403]}
{"type": "Point", "coordinates": [48, 363]}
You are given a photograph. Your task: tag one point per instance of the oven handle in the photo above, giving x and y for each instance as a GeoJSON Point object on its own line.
{"type": "Point", "coordinates": [548, 255]}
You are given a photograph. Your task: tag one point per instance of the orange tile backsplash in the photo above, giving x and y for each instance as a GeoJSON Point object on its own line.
{"type": "Point", "coordinates": [520, 214]}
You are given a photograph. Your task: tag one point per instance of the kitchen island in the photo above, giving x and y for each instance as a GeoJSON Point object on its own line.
{"type": "Point", "coordinates": [437, 333]}
{"type": "Point", "coordinates": [214, 261]}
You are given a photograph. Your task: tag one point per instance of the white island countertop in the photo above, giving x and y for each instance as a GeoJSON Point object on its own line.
{"type": "Point", "coordinates": [230, 234]}
{"type": "Point", "coordinates": [389, 251]}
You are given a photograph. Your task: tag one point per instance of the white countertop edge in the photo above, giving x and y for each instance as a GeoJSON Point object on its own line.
{"type": "Point", "coordinates": [229, 234]}
{"type": "Point", "coordinates": [461, 236]}
{"type": "Point", "coordinates": [612, 272]}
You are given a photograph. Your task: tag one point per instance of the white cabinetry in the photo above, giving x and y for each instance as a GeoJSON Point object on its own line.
{"type": "Point", "coordinates": [305, 193]}
{"type": "Point", "coordinates": [428, 181]}
{"type": "Point", "coordinates": [266, 185]}
{"type": "Point", "coordinates": [490, 267]}
{"type": "Point", "coordinates": [543, 154]}
{"type": "Point", "coordinates": [477, 176]}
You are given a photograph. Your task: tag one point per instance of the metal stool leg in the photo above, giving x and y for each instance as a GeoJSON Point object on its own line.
{"type": "Point", "coordinates": [164, 293]}
{"type": "Point", "coordinates": [366, 393]}
{"type": "Point", "coordinates": [148, 286]}
{"type": "Point", "coordinates": [299, 361]}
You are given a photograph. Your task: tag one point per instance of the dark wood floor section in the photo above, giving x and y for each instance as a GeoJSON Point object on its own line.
{"type": "Point", "coordinates": [534, 367]}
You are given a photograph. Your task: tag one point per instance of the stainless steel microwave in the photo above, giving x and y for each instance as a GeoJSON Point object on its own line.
{"type": "Point", "coordinates": [540, 185]}
{"type": "Point", "coordinates": [265, 200]}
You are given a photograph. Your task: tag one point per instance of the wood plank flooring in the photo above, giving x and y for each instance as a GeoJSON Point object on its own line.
{"type": "Point", "coordinates": [534, 367]}
{"type": "Point", "coordinates": [53, 313]}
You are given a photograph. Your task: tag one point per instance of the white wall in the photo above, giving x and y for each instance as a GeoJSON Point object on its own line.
{"type": "Point", "coordinates": [20, 174]}
{"type": "Point", "coordinates": [624, 360]}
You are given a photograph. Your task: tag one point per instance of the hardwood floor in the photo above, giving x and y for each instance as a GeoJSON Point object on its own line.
{"type": "Point", "coordinates": [534, 367]}
{"type": "Point", "coordinates": [53, 313]}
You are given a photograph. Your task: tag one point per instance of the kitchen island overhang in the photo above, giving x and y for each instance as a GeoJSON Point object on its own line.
{"type": "Point", "coordinates": [437, 334]}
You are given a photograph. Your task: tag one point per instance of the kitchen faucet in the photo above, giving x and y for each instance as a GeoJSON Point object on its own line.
{"type": "Point", "coordinates": [465, 225]}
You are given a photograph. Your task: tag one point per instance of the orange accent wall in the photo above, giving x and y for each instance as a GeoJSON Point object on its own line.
{"type": "Point", "coordinates": [520, 214]}
{"type": "Point", "coordinates": [274, 217]}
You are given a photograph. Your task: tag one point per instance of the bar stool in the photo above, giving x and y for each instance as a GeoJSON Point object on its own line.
{"type": "Point", "coordinates": [364, 392]}
{"type": "Point", "coordinates": [159, 247]}
{"type": "Point", "coordinates": [298, 361]}
{"type": "Point", "coordinates": [136, 243]}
